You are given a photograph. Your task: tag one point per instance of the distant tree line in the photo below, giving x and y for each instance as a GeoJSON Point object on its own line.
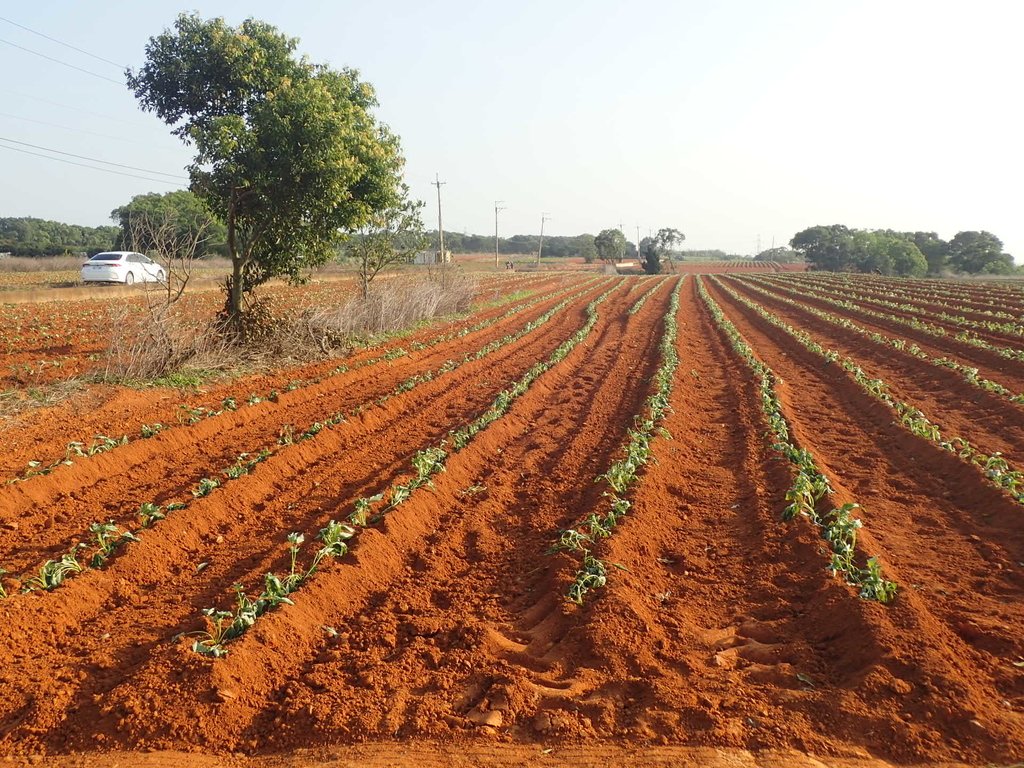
{"type": "Point", "coordinates": [27, 236]}
{"type": "Point", "coordinates": [837, 248]}
{"type": "Point", "coordinates": [557, 246]}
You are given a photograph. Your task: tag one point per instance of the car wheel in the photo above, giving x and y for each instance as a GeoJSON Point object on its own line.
{"type": "Point", "coordinates": [129, 279]}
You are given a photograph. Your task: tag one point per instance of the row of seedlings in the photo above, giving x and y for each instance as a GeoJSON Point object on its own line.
{"type": "Point", "coordinates": [108, 537]}
{"type": "Point", "coordinates": [224, 626]}
{"type": "Point", "coordinates": [991, 305]}
{"type": "Point", "coordinates": [1012, 328]}
{"type": "Point", "coordinates": [811, 488]}
{"type": "Point", "coordinates": [970, 374]}
{"type": "Point", "coordinates": [994, 466]}
{"type": "Point", "coordinates": [582, 537]}
{"type": "Point", "coordinates": [639, 304]}
{"type": "Point", "coordinates": [195, 414]}
{"type": "Point", "coordinates": [929, 329]}
{"type": "Point", "coordinates": [913, 321]}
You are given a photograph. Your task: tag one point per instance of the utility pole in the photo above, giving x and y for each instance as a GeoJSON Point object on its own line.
{"type": "Point", "coordinates": [638, 256]}
{"type": "Point", "coordinates": [540, 248]}
{"type": "Point", "coordinates": [440, 228]}
{"type": "Point", "coordinates": [497, 207]}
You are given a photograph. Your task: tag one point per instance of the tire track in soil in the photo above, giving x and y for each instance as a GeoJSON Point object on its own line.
{"type": "Point", "coordinates": [55, 510]}
{"type": "Point", "coordinates": [214, 704]}
{"type": "Point", "coordinates": [443, 620]}
{"type": "Point", "coordinates": [952, 542]}
{"type": "Point", "coordinates": [68, 654]}
{"type": "Point", "coordinates": [113, 410]}
{"type": "Point", "coordinates": [989, 421]}
{"type": "Point", "coordinates": [991, 365]}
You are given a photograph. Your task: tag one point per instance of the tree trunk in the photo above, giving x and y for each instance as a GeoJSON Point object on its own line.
{"type": "Point", "coordinates": [235, 296]}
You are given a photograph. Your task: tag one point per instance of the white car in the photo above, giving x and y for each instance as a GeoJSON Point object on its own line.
{"type": "Point", "coordinates": [122, 267]}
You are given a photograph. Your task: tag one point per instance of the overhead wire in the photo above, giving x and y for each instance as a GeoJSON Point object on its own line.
{"type": "Point", "coordinates": [90, 167]}
{"type": "Point", "coordinates": [122, 67]}
{"type": "Point", "coordinates": [69, 128]}
{"type": "Point", "coordinates": [64, 63]}
{"type": "Point", "coordinates": [133, 123]}
{"type": "Point", "coordinates": [94, 159]}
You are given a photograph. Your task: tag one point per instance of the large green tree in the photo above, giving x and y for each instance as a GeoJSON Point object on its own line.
{"type": "Point", "coordinates": [824, 247]}
{"type": "Point", "coordinates": [653, 250]}
{"type": "Point", "coordinates": [288, 153]}
{"type": "Point", "coordinates": [979, 252]}
{"type": "Point", "coordinates": [587, 249]}
{"type": "Point", "coordinates": [610, 245]}
{"type": "Point", "coordinates": [144, 215]}
{"type": "Point", "coordinates": [934, 248]}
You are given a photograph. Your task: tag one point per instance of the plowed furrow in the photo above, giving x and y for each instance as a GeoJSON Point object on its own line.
{"type": "Point", "coordinates": [284, 640]}
{"type": "Point", "coordinates": [987, 420]}
{"type": "Point", "coordinates": [238, 533]}
{"type": "Point", "coordinates": [950, 542]}
{"type": "Point", "coordinates": [990, 364]}
{"type": "Point", "coordinates": [55, 510]}
{"type": "Point", "coordinates": [117, 411]}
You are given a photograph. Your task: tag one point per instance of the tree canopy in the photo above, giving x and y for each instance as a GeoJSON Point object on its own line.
{"type": "Point", "coordinates": [610, 245]}
{"type": "Point", "coordinates": [288, 153]}
{"type": "Point", "coordinates": [181, 209]}
{"type": "Point", "coordinates": [840, 249]}
{"type": "Point", "coordinates": [654, 249]}
{"type": "Point", "coordinates": [28, 236]}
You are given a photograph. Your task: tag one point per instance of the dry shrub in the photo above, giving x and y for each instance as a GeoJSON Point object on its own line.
{"type": "Point", "coordinates": [41, 263]}
{"type": "Point", "coordinates": [158, 340]}
{"type": "Point", "coordinates": [161, 339]}
{"type": "Point", "coordinates": [392, 305]}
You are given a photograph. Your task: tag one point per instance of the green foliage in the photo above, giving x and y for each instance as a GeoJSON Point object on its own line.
{"type": "Point", "coordinates": [979, 253]}
{"type": "Point", "coordinates": [393, 235]}
{"type": "Point", "coordinates": [810, 486]}
{"type": "Point", "coordinates": [288, 153]}
{"type": "Point", "coordinates": [186, 212]}
{"type": "Point", "coordinates": [836, 248]}
{"type": "Point", "coordinates": [610, 245]}
{"type": "Point", "coordinates": [584, 534]}
{"type": "Point", "coordinates": [653, 250]}
{"type": "Point", "coordinates": [27, 236]}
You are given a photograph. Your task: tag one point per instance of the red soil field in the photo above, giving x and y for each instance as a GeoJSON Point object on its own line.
{"type": "Point", "coordinates": [444, 636]}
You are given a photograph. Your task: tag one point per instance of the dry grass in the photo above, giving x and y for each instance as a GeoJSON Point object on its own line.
{"type": "Point", "coordinates": [41, 263]}
{"type": "Point", "coordinates": [164, 340]}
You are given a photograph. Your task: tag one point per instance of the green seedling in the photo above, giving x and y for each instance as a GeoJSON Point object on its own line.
{"type": "Point", "coordinates": [205, 487]}
{"type": "Point", "coordinates": [150, 514]}
{"type": "Point", "coordinates": [108, 537]}
{"type": "Point", "coordinates": [148, 430]}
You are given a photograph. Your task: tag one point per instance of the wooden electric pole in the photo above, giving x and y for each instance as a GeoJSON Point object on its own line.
{"type": "Point", "coordinates": [440, 227]}
{"type": "Point", "coordinates": [497, 207]}
{"type": "Point", "coordinates": [540, 248]}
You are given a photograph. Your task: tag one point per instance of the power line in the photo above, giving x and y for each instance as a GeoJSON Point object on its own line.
{"type": "Point", "coordinates": [58, 61]}
{"type": "Point", "coordinates": [90, 167]}
{"type": "Point", "coordinates": [122, 67]}
{"type": "Point", "coordinates": [69, 128]}
{"type": "Point", "coordinates": [94, 159]}
{"type": "Point", "coordinates": [132, 123]}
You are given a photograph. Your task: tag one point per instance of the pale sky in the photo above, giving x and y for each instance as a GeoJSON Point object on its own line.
{"type": "Point", "coordinates": [727, 120]}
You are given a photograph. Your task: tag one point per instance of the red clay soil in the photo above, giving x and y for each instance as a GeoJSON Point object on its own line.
{"type": "Point", "coordinates": [978, 296]}
{"type": "Point", "coordinates": [953, 542]}
{"type": "Point", "coordinates": [924, 313]}
{"type": "Point", "coordinates": [116, 411]}
{"type": "Point", "coordinates": [991, 422]}
{"type": "Point", "coordinates": [54, 511]}
{"type": "Point", "coordinates": [990, 365]}
{"type": "Point", "coordinates": [444, 637]}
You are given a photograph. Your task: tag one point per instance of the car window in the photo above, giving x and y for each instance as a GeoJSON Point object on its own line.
{"type": "Point", "coordinates": [106, 257]}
